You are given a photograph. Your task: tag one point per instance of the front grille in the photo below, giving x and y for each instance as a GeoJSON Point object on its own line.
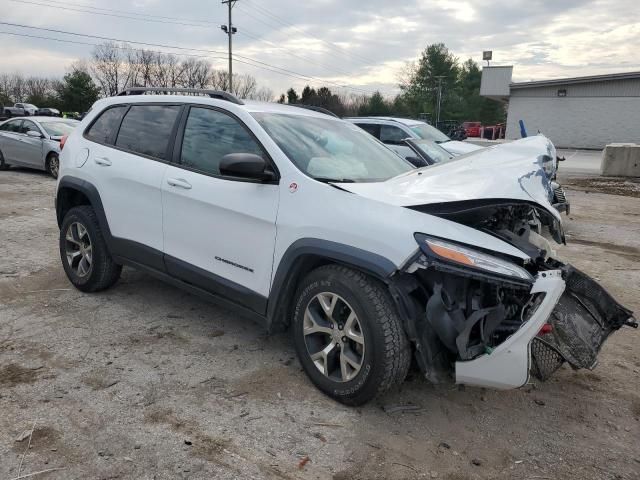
{"type": "Point", "coordinates": [560, 196]}
{"type": "Point", "coordinates": [544, 360]}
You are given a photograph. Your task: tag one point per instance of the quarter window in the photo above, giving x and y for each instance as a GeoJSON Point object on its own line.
{"type": "Point", "coordinates": [209, 135]}
{"type": "Point", "coordinates": [105, 127]}
{"type": "Point", "coordinates": [146, 129]}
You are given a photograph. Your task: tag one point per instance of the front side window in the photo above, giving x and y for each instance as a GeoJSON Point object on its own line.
{"type": "Point", "coordinates": [28, 126]}
{"type": "Point", "coordinates": [209, 135]}
{"type": "Point", "coordinates": [146, 129]}
{"type": "Point", "coordinates": [432, 150]}
{"type": "Point", "coordinates": [105, 127]}
{"type": "Point", "coordinates": [371, 128]}
{"type": "Point", "coordinates": [332, 150]}
{"type": "Point", "coordinates": [392, 135]}
{"type": "Point", "coordinates": [428, 132]}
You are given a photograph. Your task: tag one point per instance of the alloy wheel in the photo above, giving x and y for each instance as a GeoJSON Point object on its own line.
{"type": "Point", "coordinates": [334, 337]}
{"type": "Point", "coordinates": [54, 166]}
{"type": "Point", "coordinates": [78, 249]}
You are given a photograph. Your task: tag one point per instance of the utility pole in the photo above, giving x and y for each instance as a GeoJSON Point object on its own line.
{"type": "Point", "coordinates": [439, 77]}
{"type": "Point", "coordinates": [230, 30]}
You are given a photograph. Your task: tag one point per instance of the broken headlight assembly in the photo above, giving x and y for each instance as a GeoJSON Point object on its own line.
{"type": "Point", "coordinates": [461, 256]}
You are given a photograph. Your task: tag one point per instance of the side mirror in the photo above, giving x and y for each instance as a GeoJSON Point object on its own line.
{"type": "Point", "coordinates": [246, 165]}
{"type": "Point", "coordinates": [33, 134]}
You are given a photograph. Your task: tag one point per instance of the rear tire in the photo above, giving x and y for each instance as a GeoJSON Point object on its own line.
{"type": "Point", "coordinates": [83, 252]}
{"type": "Point", "coordinates": [3, 164]}
{"type": "Point", "coordinates": [348, 336]}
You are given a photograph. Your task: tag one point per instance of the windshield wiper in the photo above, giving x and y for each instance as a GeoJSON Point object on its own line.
{"type": "Point", "coordinates": [334, 180]}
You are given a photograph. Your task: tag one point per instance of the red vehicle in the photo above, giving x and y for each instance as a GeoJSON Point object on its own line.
{"type": "Point", "coordinates": [472, 128]}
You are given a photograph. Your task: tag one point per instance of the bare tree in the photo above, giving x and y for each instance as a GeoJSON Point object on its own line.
{"type": "Point", "coordinates": [17, 87]}
{"type": "Point", "coordinates": [196, 73]}
{"type": "Point", "coordinates": [263, 94]}
{"type": "Point", "coordinates": [244, 86]}
{"type": "Point", "coordinates": [110, 68]}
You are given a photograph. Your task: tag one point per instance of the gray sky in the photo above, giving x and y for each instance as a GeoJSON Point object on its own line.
{"type": "Point", "coordinates": [362, 44]}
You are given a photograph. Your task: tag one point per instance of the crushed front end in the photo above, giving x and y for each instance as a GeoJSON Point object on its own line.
{"type": "Point", "coordinates": [480, 318]}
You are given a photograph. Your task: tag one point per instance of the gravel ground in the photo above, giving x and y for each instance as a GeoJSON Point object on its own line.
{"type": "Point", "coordinates": [145, 381]}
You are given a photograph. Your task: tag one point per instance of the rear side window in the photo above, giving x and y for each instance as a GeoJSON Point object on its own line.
{"type": "Point", "coordinates": [105, 127]}
{"type": "Point", "coordinates": [370, 128]}
{"type": "Point", "coordinates": [146, 129]}
{"type": "Point", "coordinates": [209, 135]}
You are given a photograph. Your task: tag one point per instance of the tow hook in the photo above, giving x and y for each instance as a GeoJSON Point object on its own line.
{"type": "Point", "coordinates": [632, 323]}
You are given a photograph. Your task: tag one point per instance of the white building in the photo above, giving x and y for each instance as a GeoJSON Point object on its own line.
{"type": "Point", "coordinates": [581, 112]}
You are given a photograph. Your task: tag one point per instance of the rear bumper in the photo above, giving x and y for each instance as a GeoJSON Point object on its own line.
{"type": "Point", "coordinates": [508, 365]}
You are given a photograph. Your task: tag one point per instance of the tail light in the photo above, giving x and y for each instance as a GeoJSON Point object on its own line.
{"type": "Point", "coordinates": [63, 140]}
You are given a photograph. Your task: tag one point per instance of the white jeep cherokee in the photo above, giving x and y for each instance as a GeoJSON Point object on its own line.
{"type": "Point", "coordinates": [305, 221]}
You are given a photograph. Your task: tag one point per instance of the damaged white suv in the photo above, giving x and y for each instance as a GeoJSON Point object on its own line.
{"type": "Point", "coordinates": [306, 222]}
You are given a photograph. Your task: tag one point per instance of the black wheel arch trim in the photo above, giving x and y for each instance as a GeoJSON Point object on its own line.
{"type": "Point", "coordinates": [307, 253]}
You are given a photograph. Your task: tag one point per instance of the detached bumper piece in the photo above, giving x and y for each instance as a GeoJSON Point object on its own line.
{"type": "Point", "coordinates": [581, 322]}
{"type": "Point", "coordinates": [560, 199]}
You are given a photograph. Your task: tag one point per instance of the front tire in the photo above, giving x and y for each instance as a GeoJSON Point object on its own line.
{"type": "Point", "coordinates": [83, 252]}
{"type": "Point", "coordinates": [348, 336]}
{"type": "Point", "coordinates": [53, 165]}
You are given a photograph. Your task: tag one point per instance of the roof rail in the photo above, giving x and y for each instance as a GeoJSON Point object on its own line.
{"type": "Point", "coordinates": [218, 94]}
{"type": "Point", "coordinates": [315, 109]}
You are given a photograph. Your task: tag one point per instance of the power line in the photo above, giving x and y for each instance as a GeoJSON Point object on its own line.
{"type": "Point", "coordinates": [333, 46]}
{"type": "Point", "coordinates": [127, 12]}
{"type": "Point", "coordinates": [248, 34]}
{"type": "Point", "coordinates": [29, 2]}
{"type": "Point", "coordinates": [244, 60]}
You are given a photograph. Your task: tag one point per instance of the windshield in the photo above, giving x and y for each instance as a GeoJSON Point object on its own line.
{"type": "Point", "coordinates": [59, 128]}
{"type": "Point", "coordinates": [427, 132]}
{"type": "Point", "coordinates": [29, 105]}
{"type": "Point", "coordinates": [432, 150]}
{"type": "Point", "coordinates": [332, 150]}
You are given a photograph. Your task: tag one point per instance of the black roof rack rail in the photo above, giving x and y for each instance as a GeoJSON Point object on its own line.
{"type": "Point", "coordinates": [219, 94]}
{"type": "Point", "coordinates": [315, 109]}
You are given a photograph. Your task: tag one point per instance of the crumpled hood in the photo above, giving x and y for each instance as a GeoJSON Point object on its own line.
{"type": "Point", "coordinates": [510, 171]}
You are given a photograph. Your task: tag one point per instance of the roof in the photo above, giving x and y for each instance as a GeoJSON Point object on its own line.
{"type": "Point", "coordinates": [404, 121]}
{"type": "Point", "coordinates": [575, 80]}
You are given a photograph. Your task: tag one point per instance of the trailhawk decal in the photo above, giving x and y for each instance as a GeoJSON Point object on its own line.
{"type": "Point", "coordinates": [234, 264]}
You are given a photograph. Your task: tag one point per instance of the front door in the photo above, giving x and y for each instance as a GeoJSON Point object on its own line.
{"type": "Point", "coordinates": [31, 147]}
{"type": "Point", "coordinates": [219, 232]}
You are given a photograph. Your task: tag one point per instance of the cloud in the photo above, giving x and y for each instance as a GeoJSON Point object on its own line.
{"type": "Point", "coordinates": [362, 44]}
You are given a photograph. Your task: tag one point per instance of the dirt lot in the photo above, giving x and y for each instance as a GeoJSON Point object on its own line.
{"type": "Point", "coordinates": [145, 381]}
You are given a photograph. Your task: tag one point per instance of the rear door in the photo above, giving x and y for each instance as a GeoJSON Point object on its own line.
{"type": "Point", "coordinates": [219, 231]}
{"type": "Point", "coordinates": [128, 161]}
{"type": "Point", "coordinates": [10, 141]}
{"type": "Point", "coordinates": [31, 147]}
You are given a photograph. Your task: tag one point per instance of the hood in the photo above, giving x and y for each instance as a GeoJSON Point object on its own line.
{"type": "Point", "coordinates": [510, 172]}
{"type": "Point", "coordinates": [455, 147]}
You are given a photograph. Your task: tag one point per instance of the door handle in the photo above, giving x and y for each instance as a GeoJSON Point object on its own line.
{"type": "Point", "coordinates": [179, 182]}
{"type": "Point", "coordinates": [105, 162]}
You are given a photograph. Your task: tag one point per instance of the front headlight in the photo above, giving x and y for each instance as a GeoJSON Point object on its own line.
{"type": "Point", "coordinates": [468, 257]}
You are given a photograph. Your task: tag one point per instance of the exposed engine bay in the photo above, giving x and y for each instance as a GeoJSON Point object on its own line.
{"type": "Point", "coordinates": [460, 314]}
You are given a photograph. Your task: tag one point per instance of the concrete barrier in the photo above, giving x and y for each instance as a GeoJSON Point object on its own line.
{"type": "Point", "coordinates": [621, 160]}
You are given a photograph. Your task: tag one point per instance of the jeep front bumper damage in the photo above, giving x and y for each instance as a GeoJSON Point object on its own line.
{"type": "Point", "coordinates": [581, 315]}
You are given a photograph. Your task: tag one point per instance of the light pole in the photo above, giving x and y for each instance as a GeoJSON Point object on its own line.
{"type": "Point", "coordinates": [439, 77]}
{"type": "Point", "coordinates": [230, 30]}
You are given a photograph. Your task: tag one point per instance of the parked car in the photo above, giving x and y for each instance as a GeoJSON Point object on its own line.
{"type": "Point", "coordinates": [49, 112]}
{"type": "Point", "coordinates": [422, 153]}
{"type": "Point", "coordinates": [19, 110]}
{"type": "Point", "coordinates": [392, 131]}
{"type": "Point", "coordinates": [472, 128]}
{"type": "Point", "coordinates": [33, 142]}
{"type": "Point", "coordinates": [303, 221]}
